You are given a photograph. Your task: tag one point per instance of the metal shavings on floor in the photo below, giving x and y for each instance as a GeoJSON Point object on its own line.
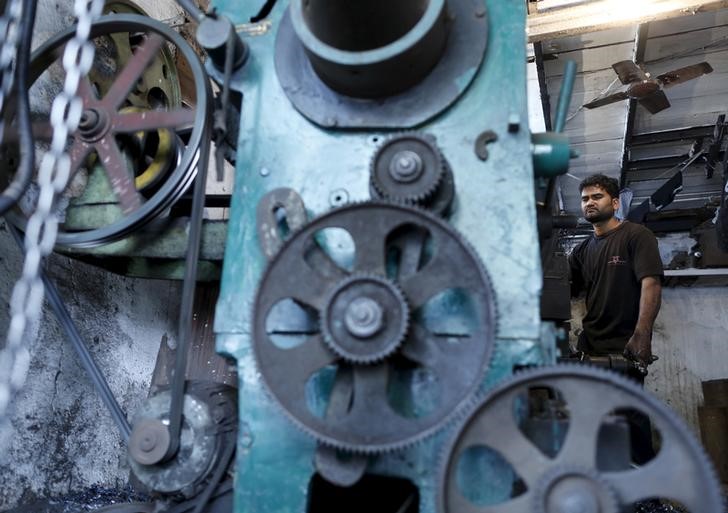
{"type": "Point", "coordinates": [84, 501]}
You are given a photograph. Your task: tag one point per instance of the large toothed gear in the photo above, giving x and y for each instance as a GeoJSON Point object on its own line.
{"type": "Point", "coordinates": [408, 168]}
{"type": "Point", "coordinates": [336, 382]}
{"type": "Point", "coordinates": [572, 478]}
{"type": "Point", "coordinates": [365, 318]}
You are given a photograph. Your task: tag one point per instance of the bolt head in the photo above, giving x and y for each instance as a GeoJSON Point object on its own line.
{"type": "Point", "coordinates": [364, 317]}
{"type": "Point", "coordinates": [405, 166]}
{"type": "Point", "coordinates": [149, 441]}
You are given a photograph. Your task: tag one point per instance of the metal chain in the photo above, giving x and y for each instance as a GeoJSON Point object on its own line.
{"type": "Point", "coordinates": [42, 227]}
{"type": "Point", "coordinates": [9, 38]}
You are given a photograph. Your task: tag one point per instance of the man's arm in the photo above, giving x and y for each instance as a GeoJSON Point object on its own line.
{"type": "Point", "coordinates": [640, 343]}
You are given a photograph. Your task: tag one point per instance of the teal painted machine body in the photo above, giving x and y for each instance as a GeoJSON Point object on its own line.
{"type": "Point", "coordinates": [494, 210]}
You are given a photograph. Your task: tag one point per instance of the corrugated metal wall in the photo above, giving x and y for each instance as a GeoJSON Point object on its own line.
{"type": "Point", "coordinates": [673, 44]}
{"type": "Point", "coordinates": [598, 134]}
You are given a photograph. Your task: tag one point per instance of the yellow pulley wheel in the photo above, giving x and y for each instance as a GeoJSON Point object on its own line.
{"type": "Point", "coordinates": [163, 156]}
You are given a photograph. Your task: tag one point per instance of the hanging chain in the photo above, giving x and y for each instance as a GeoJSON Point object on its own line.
{"type": "Point", "coordinates": [9, 38]}
{"type": "Point", "coordinates": [42, 227]}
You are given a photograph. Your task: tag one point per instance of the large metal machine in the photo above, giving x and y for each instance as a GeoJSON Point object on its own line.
{"type": "Point", "coordinates": [404, 309]}
{"type": "Point", "coordinates": [381, 278]}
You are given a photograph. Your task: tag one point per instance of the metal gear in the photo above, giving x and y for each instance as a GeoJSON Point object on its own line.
{"type": "Point", "coordinates": [590, 394]}
{"type": "Point", "coordinates": [104, 118]}
{"type": "Point", "coordinates": [359, 414]}
{"type": "Point", "coordinates": [365, 318]}
{"type": "Point", "coordinates": [408, 168]}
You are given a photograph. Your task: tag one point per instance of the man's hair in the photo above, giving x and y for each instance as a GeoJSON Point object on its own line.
{"type": "Point", "coordinates": [610, 185]}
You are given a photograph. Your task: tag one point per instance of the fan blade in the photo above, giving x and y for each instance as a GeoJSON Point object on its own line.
{"type": "Point", "coordinates": [655, 102]}
{"type": "Point", "coordinates": [678, 76]}
{"type": "Point", "coordinates": [612, 98]}
{"type": "Point", "coordinates": [629, 72]}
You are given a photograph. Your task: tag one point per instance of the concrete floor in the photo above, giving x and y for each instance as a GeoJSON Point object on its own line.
{"type": "Point", "coordinates": [61, 438]}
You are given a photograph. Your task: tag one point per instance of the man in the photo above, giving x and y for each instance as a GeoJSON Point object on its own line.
{"type": "Point", "coordinates": [620, 269]}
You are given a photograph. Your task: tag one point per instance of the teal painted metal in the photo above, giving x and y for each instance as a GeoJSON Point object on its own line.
{"type": "Point", "coordinates": [567, 86]}
{"type": "Point", "coordinates": [551, 151]}
{"type": "Point", "coordinates": [551, 154]}
{"type": "Point", "coordinates": [494, 210]}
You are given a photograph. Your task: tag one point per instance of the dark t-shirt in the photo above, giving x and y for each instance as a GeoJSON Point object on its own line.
{"type": "Point", "coordinates": [610, 269]}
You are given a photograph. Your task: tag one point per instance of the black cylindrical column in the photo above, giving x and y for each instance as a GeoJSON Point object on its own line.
{"type": "Point", "coordinates": [214, 34]}
{"type": "Point", "coordinates": [371, 48]}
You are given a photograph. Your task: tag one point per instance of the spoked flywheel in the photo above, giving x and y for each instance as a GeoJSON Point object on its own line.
{"type": "Point", "coordinates": [136, 147]}
{"type": "Point", "coordinates": [591, 453]}
{"type": "Point", "coordinates": [373, 326]}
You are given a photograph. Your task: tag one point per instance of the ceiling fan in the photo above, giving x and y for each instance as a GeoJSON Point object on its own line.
{"type": "Point", "coordinates": [646, 90]}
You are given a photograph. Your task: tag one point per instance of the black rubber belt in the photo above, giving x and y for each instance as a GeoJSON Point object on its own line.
{"type": "Point", "coordinates": [84, 355]}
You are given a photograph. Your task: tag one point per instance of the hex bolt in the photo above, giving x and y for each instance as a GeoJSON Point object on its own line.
{"type": "Point", "coordinates": [406, 166]}
{"type": "Point", "coordinates": [364, 317]}
{"type": "Point", "coordinates": [514, 123]}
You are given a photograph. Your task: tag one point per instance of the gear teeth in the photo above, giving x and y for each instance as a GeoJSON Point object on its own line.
{"type": "Point", "coordinates": [420, 195]}
{"type": "Point", "coordinates": [459, 409]}
{"type": "Point", "coordinates": [710, 494]}
{"type": "Point", "coordinates": [377, 357]}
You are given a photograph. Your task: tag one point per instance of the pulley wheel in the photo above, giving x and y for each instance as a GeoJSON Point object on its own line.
{"type": "Point", "coordinates": [112, 204]}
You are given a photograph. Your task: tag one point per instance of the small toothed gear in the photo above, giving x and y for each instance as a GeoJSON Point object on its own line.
{"type": "Point", "coordinates": [573, 478]}
{"type": "Point", "coordinates": [407, 168]}
{"type": "Point", "coordinates": [336, 384]}
{"type": "Point", "coordinates": [574, 488]}
{"type": "Point", "coordinates": [365, 318]}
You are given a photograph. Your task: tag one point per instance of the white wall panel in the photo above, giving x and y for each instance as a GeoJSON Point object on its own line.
{"type": "Point", "coordinates": [690, 339]}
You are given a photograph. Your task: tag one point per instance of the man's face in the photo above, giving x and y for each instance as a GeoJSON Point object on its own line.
{"type": "Point", "coordinates": [597, 205]}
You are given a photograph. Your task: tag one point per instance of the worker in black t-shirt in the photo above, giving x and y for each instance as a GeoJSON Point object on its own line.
{"type": "Point", "coordinates": [620, 269]}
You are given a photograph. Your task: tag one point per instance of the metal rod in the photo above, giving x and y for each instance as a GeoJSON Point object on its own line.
{"type": "Point", "coordinates": [567, 86]}
{"type": "Point", "coordinates": [84, 355]}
